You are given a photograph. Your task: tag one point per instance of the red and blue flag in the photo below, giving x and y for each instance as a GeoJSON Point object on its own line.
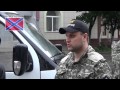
{"type": "Point", "coordinates": [14, 23]}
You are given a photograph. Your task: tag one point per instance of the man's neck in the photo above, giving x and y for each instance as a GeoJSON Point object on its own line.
{"type": "Point", "coordinates": [79, 54]}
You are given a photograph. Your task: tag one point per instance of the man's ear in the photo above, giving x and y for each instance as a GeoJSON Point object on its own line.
{"type": "Point", "coordinates": [85, 35]}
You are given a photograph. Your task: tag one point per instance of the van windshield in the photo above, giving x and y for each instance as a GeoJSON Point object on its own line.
{"type": "Point", "coordinates": [37, 38]}
{"type": "Point", "coordinates": [44, 44]}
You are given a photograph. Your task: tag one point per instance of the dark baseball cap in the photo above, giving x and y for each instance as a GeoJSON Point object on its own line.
{"type": "Point", "coordinates": [75, 26]}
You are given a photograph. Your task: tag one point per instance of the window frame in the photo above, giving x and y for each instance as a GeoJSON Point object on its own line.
{"type": "Point", "coordinates": [60, 21]}
{"type": "Point", "coordinates": [53, 18]}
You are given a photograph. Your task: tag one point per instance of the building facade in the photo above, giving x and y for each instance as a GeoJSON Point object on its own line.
{"type": "Point", "coordinates": [48, 23]}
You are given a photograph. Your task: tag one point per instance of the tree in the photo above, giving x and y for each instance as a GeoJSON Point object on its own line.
{"type": "Point", "coordinates": [111, 21]}
{"type": "Point", "coordinates": [89, 18]}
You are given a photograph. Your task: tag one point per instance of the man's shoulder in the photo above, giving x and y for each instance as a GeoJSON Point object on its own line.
{"type": "Point", "coordinates": [95, 56]}
{"type": "Point", "coordinates": [65, 58]}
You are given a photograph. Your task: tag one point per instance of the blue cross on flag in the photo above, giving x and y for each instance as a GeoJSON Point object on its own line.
{"type": "Point", "coordinates": [14, 23]}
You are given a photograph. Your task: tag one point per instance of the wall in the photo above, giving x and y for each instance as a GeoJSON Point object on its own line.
{"type": "Point", "coordinates": [66, 17]}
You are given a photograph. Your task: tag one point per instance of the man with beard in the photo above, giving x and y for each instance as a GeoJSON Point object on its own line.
{"type": "Point", "coordinates": [82, 62]}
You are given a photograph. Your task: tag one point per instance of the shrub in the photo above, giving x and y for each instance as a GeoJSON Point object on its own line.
{"type": "Point", "coordinates": [103, 48]}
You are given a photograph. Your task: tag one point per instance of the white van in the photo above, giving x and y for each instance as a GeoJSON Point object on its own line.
{"type": "Point", "coordinates": [26, 54]}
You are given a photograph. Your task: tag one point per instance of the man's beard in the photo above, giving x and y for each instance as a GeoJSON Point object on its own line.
{"type": "Point", "coordinates": [75, 49]}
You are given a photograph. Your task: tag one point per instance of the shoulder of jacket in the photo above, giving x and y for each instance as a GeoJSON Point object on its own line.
{"type": "Point", "coordinates": [65, 58]}
{"type": "Point", "coordinates": [95, 56]}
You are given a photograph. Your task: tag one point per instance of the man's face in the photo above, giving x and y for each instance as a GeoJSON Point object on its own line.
{"type": "Point", "coordinates": [74, 41]}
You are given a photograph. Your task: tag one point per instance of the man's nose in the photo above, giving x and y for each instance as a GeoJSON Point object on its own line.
{"type": "Point", "coordinates": [67, 39]}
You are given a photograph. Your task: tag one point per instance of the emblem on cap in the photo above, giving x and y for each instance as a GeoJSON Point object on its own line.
{"type": "Point", "coordinates": [72, 21]}
{"type": "Point", "coordinates": [71, 25]}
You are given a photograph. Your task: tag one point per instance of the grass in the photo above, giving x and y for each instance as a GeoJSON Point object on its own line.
{"type": "Point", "coordinates": [103, 48]}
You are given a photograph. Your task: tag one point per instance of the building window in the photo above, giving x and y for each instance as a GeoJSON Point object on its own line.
{"type": "Point", "coordinates": [52, 21]}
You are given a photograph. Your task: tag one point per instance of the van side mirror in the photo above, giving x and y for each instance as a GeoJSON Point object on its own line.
{"type": "Point", "coordinates": [59, 46]}
{"type": "Point", "coordinates": [20, 58]}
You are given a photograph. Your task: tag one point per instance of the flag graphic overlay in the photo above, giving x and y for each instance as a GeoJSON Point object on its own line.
{"type": "Point", "coordinates": [14, 23]}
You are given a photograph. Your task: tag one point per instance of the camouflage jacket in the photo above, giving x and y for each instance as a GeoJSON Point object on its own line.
{"type": "Point", "coordinates": [91, 66]}
{"type": "Point", "coordinates": [116, 59]}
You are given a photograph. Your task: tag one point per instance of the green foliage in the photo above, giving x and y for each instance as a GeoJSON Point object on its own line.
{"type": "Point", "coordinates": [103, 48]}
{"type": "Point", "coordinates": [89, 18]}
{"type": "Point", "coordinates": [111, 20]}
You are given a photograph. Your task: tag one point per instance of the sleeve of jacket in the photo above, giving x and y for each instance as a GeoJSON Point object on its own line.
{"type": "Point", "coordinates": [60, 71]}
{"type": "Point", "coordinates": [102, 70]}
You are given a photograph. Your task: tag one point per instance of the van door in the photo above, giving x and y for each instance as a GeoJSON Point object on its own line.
{"type": "Point", "coordinates": [48, 71]}
{"type": "Point", "coordinates": [8, 41]}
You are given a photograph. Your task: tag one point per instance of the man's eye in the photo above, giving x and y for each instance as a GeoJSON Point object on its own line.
{"type": "Point", "coordinates": [72, 35]}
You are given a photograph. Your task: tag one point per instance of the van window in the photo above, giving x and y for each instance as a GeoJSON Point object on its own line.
{"type": "Point", "coordinates": [44, 65]}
